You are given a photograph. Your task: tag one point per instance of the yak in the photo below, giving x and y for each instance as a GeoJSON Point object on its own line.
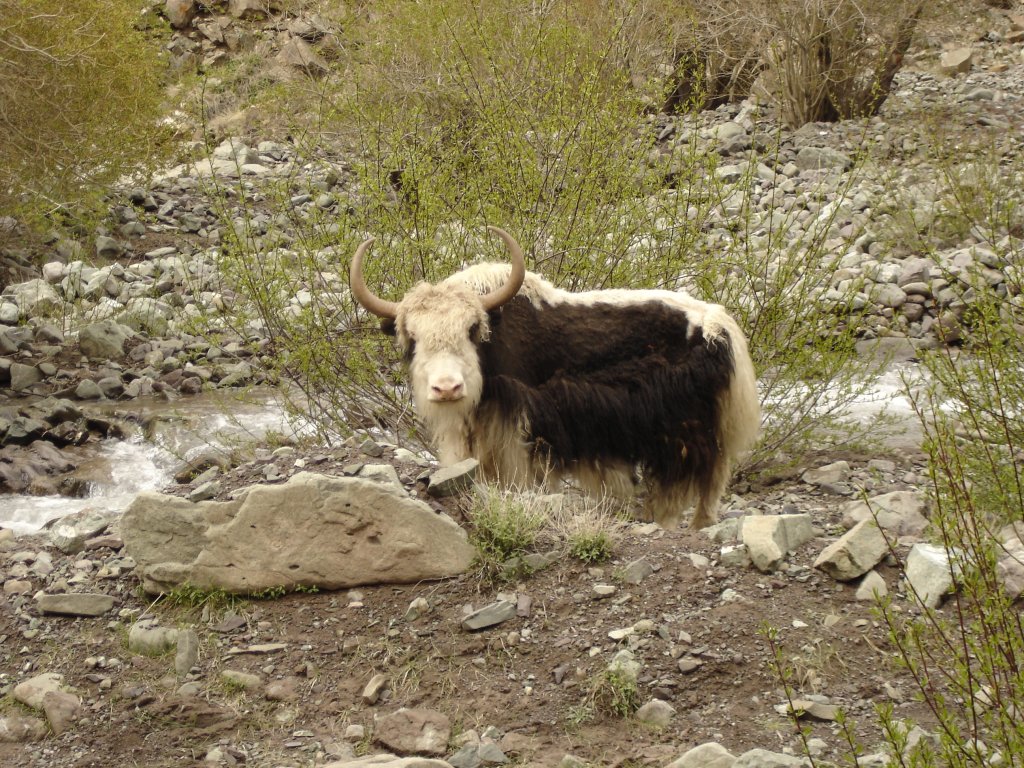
{"type": "Point", "coordinates": [613, 388]}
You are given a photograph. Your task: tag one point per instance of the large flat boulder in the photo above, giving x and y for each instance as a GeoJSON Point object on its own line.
{"type": "Point", "coordinates": [314, 530]}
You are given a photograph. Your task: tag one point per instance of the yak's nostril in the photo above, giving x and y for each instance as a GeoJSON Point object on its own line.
{"type": "Point", "coordinates": [447, 390]}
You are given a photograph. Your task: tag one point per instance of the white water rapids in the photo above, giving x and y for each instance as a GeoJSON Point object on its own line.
{"type": "Point", "coordinates": [120, 469]}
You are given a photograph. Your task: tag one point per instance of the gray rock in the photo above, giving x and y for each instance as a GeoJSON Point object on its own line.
{"type": "Point", "coordinates": [151, 641]}
{"type": "Point", "coordinates": [104, 340]}
{"type": "Point", "coordinates": [889, 295]}
{"type": "Point", "coordinates": [734, 556]}
{"type": "Point", "coordinates": [373, 689]}
{"type": "Point", "coordinates": [298, 54]}
{"type": "Point", "coordinates": [854, 553]}
{"type": "Point", "coordinates": [17, 729]}
{"type": "Point", "coordinates": [384, 473]}
{"type": "Point", "coordinates": [414, 731]}
{"type": "Point", "coordinates": [489, 615]}
{"type": "Point", "coordinates": [61, 709]}
{"type": "Point", "coordinates": [929, 573]}
{"type": "Point", "coordinates": [457, 478]}
{"type": "Point", "coordinates": [313, 530]}
{"type": "Point", "coordinates": [388, 761]}
{"type": "Point", "coordinates": [769, 538]}
{"type": "Point", "coordinates": [900, 512]}
{"type": "Point", "coordinates": [186, 652]}
{"type": "Point", "coordinates": [957, 61]}
{"type": "Point", "coordinates": [24, 376]}
{"type": "Point", "coordinates": [815, 158]}
{"type": "Point", "coordinates": [837, 472]}
{"type": "Point", "coordinates": [656, 712]}
{"type": "Point", "coordinates": [75, 604]}
{"type": "Point", "coordinates": [285, 689]}
{"type": "Point", "coordinates": [88, 389]}
{"type": "Point", "coordinates": [624, 663]}
{"type": "Point", "coordinates": [637, 571]}
{"type": "Point", "coordinates": [35, 298]}
{"type": "Point", "coordinates": [180, 13]}
{"type": "Point", "coordinates": [70, 534]}
{"type": "Point", "coordinates": [915, 270]}
{"type": "Point", "coordinates": [31, 691]}
{"type": "Point", "coordinates": [708, 755]}
{"type": "Point", "coordinates": [244, 680]}
{"type": "Point", "coordinates": [108, 247]}
{"type": "Point", "coordinates": [249, 9]}
{"type": "Point", "coordinates": [9, 314]}
{"type": "Point", "coordinates": [872, 586]}
{"type": "Point", "coordinates": [762, 758]}
{"type": "Point", "coordinates": [148, 315]}
{"type": "Point", "coordinates": [1010, 568]}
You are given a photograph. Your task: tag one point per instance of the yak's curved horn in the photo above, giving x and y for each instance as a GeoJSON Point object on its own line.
{"type": "Point", "coordinates": [505, 293]}
{"type": "Point", "coordinates": [370, 301]}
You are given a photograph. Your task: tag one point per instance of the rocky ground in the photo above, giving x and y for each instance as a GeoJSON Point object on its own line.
{"type": "Point", "coordinates": [310, 677]}
{"type": "Point", "coordinates": [111, 676]}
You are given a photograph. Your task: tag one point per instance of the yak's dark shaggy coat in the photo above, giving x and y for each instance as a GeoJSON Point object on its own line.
{"type": "Point", "coordinates": [635, 384]}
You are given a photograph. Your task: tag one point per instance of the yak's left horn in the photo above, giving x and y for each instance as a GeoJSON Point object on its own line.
{"type": "Point", "coordinates": [505, 293]}
{"type": "Point", "coordinates": [370, 301]}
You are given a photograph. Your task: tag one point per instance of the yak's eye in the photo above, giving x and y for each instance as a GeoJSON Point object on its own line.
{"type": "Point", "coordinates": [410, 350]}
{"type": "Point", "coordinates": [474, 333]}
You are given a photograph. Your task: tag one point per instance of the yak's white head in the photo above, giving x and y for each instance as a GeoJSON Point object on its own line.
{"type": "Point", "coordinates": [439, 328]}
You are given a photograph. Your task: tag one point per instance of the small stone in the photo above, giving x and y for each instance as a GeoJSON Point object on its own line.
{"type": "Point", "coordinates": [238, 679]}
{"type": "Point", "coordinates": [61, 710]}
{"type": "Point", "coordinates": [414, 731]}
{"type": "Point", "coordinates": [76, 604]}
{"type": "Point", "coordinates": [708, 755]}
{"type": "Point", "coordinates": [151, 641]}
{"type": "Point", "coordinates": [689, 664]}
{"type": "Point", "coordinates": [417, 608]}
{"type": "Point", "coordinates": [929, 573]}
{"type": "Point", "coordinates": [32, 691]}
{"type": "Point", "coordinates": [812, 709]}
{"type": "Point", "coordinates": [637, 571]}
{"type": "Point", "coordinates": [957, 61]}
{"type": "Point", "coordinates": [372, 691]}
{"type": "Point", "coordinates": [187, 652]}
{"type": "Point", "coordinates": [656, 712]}
{"type": "Point", "coordinates": [837, 472]}
{"type": "Point", "coordinates": [457, 478]}
{"type": "Point", "coordinates": [18, 729]}
{"type": "Point", "coordinates": [872, 586]}
{"type": "Point", "coordinates": [490, 615]}
{"type": "Point", "coordinates": [354, 733]}
{"type": "Point", "coordinates": [88, 389]}
{"type": "Point", "coordinates": [855, 553]}
{"type": "Point", "coordinates": [285, 689]}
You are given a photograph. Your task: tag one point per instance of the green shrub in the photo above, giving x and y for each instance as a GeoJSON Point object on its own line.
{"type": "Point", "coordinates": [592, 546]}
{"type": "Point", "coordinates": [614, 692]}
{"type": "Point", "coordinates": [505, 526]}
{"type": "Point", "coordinates": [79, 101]}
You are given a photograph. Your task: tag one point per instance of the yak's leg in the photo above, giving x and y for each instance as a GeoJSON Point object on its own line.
{"type": "Point", "coordinates": [710, 495]}
{"type": "Point", "coordinates": [667, 501]}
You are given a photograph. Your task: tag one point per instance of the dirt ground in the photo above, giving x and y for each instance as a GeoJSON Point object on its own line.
{"type": "Point", "coordinates": [529, 677]}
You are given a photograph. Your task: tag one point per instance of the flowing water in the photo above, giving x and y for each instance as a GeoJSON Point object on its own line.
{"type": "Point", "coordinates": [119, 469]}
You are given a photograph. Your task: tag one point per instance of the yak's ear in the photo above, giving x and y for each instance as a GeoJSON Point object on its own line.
{"type": "Point", "coordinates": [387, 325]}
